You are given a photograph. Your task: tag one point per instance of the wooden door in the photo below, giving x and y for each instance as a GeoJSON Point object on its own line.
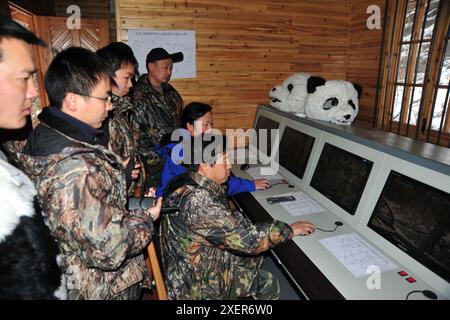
{"type": "Point", "coordinates": [93, 35]}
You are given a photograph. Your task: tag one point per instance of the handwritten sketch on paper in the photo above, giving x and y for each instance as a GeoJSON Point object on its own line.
{"type": "Point", "coordinates": [356, 254]}
{"type": "Point", "coordinates": [143, 40]}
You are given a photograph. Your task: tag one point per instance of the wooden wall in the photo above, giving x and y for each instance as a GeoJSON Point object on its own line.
{"type": "Point", "coordinates": [363, 56]}
{"type": "Point", "coordinates": [244, 48]}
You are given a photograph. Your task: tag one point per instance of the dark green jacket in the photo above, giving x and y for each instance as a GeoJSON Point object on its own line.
{"type": "Point", "coordinates": [208, 250]}
{"type": "Point", "coordinates": [153, 116]}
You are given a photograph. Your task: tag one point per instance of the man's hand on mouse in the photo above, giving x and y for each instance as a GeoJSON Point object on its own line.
{"type": "Point", "coordinates": [261, 184]}
{"type": "Point", "coordinates": [303, 228]}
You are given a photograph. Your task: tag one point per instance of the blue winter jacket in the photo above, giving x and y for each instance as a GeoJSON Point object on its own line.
{"type": "Point", "coordinates": [234, 184]}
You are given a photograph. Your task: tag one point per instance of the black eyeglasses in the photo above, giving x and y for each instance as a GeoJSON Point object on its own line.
{"type": "Point", "coordinates": [105, 100]}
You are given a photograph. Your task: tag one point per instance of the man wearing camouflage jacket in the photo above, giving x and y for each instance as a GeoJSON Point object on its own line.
{"type": "Point", "coordinates": [157, 109]}
{"type": "Point", "coordinates": [122, 62]}
{"type": "Point", "coordinates": [210, 251]}
{"type": "Point", "coordinates": [81, 184]}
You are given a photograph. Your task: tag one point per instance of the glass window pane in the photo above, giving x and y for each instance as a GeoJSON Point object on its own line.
{"type": "Point", "coordinates": [415, 106]}
{"type": "Point", "coordinates": [445, 72]}
{"type": "Point", "coordinates": [402, 63]}
{"type": "Point", "coordinates": [397, 103]}
{"type": "Point", "coordinates": [409, 20]}
{"type": "Point", "coordinates": [431, 18]}
{"type": "Point", "coordinates": [423, 59]}
{"type": "Point", "coordinates": [438, 109]}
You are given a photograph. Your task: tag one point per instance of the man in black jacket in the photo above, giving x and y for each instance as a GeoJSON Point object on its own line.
{"type": "Point", "coordinates": [28, 263]}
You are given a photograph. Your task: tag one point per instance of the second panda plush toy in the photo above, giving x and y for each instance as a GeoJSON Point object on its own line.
{"type": "Point", "coordinates": [336, 101]}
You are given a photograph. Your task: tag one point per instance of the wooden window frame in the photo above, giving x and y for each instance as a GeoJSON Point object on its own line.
{"type": "Point", "coordinates": [390, 60]}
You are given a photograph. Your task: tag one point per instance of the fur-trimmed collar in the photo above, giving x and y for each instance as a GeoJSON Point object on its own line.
{"type": "Point", "coordinates": [16, 198]}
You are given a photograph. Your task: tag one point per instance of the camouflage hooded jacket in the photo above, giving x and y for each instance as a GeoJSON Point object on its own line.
{"type": "Point", "coordinates": [206, 247]}
{"type": "Point", "coordinates": [121, 140]}
{"type": "Point", "coordinates": [82, 191]}
{"type": "Point", "coordinates": [154, 115]}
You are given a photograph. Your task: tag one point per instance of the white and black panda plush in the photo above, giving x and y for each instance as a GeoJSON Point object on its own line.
{"type": "Point", "coordinates": [291, 95]}
{"type": "Point", "coordinates": [336, 101]}
{"type": "Point", "coordinates": [278, 98]}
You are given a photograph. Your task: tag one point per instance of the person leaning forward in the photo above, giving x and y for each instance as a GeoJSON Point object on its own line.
{"type": "Point", "coordinates": [157, 109]}
{"type": "Point", "coordinates": [208, 250]}
{"type": "Point", "coordinates": [81, 184]}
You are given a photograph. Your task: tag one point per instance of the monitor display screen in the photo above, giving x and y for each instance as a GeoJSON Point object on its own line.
{"type": "Point", "coordinates": [295, 149]}
{"type": "Point", "coordinates": [416, 218]}
{"type": "Point", "coordinates": [268, 124]}
{"type": "Point", "coordinates": [341, 177]}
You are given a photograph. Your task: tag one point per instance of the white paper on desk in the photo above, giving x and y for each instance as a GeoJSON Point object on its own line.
{"type": "Point", "coordinates": [302, 204]}
{"type": "Point", "coordinates": [356, 254]}
{"type": "Point", "coordinates": [271, 174]}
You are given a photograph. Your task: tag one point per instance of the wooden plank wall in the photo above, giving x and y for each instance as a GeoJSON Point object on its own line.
{"type": "Point", "coordinates": [363, 56]}
{"type": "Point", "coordinates": [244, 48]}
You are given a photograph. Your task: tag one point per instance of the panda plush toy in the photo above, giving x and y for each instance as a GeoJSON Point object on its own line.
{"type": "Point", "coordinates": [291, 95]}
{"type": "Point", "coordinates": [336, 101]}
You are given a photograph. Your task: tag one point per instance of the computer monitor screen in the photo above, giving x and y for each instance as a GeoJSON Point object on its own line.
{"type": "Point", "coordinates": [416, 218]}
{"type": "Point", "coordinates": [341, 177]}
{"type": "Point", "coordinates": [267, 124]}
{"type": "Point", "coordinates": [295, 149]}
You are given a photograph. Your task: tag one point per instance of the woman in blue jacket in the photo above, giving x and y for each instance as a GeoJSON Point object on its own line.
{"type": "Point", "coordinates": [194, 115]}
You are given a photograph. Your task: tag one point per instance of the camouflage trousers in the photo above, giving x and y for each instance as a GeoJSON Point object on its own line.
{"type": "Point", "coordinates": [258, 284]}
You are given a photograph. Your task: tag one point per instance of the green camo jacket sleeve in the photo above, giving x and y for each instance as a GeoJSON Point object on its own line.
{"type": "Point", "coordinates": [85, 215]}
{"type": "Point", "coordinates": [230, 230]}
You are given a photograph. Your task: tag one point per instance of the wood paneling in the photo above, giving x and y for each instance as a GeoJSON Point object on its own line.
{"type": "Point", "coordinates": [93, 35]}
{"type": "Point", "coordinates": [363, 55]}
{"type": "Point", "coordinates": [37, 7]}
{"type": "Point", "coordinates": [99, 9]}
{"type": "Point", "coordinates": [244, 48]}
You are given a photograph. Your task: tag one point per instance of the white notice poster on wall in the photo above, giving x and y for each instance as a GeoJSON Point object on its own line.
{"type": "Point", "coordinates": [143, 40]}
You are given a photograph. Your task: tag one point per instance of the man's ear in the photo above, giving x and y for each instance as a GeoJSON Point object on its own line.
{"type": "Point", "coordinates": [70, 101]}
{"type": "Point", "coordinates": [314, 82]}
{"type": "Point", "coordinates": [203, 169]}
{"type": "Point", "coordinates": [190, 128]}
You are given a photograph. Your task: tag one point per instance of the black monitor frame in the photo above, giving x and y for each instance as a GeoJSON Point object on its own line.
{"type": "Point", "coordinates": [321, 167]}
{"type": "Point", "coordinates": [421, 196]}
{"type": "Point", "coordinates": [295, 150]}
{"type": "Point", "coordinates": [266, 123]}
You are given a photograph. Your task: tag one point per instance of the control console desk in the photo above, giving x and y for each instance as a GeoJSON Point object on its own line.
{"type": "Point", "coordinates": [380, 202]}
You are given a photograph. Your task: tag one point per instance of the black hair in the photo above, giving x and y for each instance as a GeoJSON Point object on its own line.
{"type": "Point", "coordinates": [204, 148]}
{"type": "Point", "coordinates": [118, 55]}
{"type": "Point", "coordinates": [76, 70]}
{"type": "Point", "coordinates": [11, 29]}
{"type": "Point", "coordinates": [192, 112]}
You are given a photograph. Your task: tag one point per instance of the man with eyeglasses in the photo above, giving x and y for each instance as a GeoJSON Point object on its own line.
{"type": "Point", "coordinates": [81, 183]}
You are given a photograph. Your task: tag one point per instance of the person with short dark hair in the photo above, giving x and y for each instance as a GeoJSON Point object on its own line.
{"type": "Point", "coordinates": [197, 118]}
{"type": "Point", "coordinates": [28, 254]}
{"type": "Point", "coordinates": [81, 182]}
{"type": "Point", "coordinates": [157, 109]}
{"type": "Point", "coordinates": [122, 62]}
{"type": "Point", "coordinates": [208, 250]}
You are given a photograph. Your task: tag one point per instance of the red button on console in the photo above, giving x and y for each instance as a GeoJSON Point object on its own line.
{"type": "Point", "coordinates": [411, 280]}
{"type": "Point", "coordinates": [403, 273]}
